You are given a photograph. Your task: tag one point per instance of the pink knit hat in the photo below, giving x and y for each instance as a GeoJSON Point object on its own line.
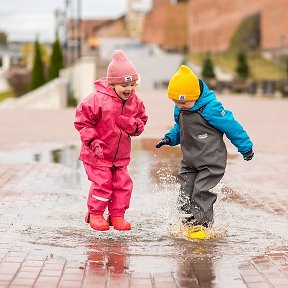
{"type": "Point", "coordinates": [121, 69]}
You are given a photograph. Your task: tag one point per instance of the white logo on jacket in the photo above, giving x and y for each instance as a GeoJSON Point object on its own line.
{"type": "Point", "coordinates": [203, 136]}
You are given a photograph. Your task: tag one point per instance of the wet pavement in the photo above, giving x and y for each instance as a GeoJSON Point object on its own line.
{"type": "Point", "coordinates": [46, 243]}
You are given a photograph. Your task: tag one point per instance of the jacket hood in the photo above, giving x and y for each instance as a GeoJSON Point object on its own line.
{"type": "Point", "coordinates": [206, 96]}
{"type": "Point", "coordinates": [102, 86]}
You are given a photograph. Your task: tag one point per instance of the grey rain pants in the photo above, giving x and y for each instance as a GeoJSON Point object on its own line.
{"type": "Point", "coordinates": [202, 167]}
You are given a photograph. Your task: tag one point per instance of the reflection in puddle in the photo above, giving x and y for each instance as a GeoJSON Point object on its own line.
{"type": "Point", "coordinates": [54, 219]}
{"type": "Point", "coordinates": [66, 155]}
{"type": "Point", "coordinates": [113, 257]}
{"type": "Point", "coordinates": [37, 157]}
{"type": "Point", "coordinates": [198, 273]}
{"type": "Point", "coordinates": [57, 155]}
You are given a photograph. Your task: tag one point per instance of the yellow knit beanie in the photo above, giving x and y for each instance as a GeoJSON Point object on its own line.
{"type": "Point", "coordinates": [184, 85]}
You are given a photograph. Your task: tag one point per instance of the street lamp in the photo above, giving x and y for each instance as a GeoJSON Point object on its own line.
{"type": "Point", "coordinates": [66, 34]}
{"type": "Point", "coordinates": [282, 40]}
{"type": "Point", "coordinates": [79, 38]}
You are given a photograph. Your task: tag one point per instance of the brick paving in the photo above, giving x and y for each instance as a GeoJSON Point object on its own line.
{"type": "Point", "coordinates": [29, 267]}
{"type": "Point", "coordinates": [36, 264]}
{"type": "Point", "coordinates": [270, 270]}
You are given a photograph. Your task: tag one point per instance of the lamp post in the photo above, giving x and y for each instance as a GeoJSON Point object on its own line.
{"type": "Point", "coordinates": [66, 34]}
{"type": "Point", "coordinates": [79, 34]}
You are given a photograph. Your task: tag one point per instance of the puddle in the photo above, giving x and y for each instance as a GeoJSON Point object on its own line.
{"type": "Point", "coordinates": [55, 221]}
{"type": "Point", "coordinates": [53, 153]}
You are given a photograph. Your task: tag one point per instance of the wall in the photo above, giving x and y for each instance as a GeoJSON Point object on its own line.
{"type": "Point", "coordinates": [166, 25]}
{"type": "Point", "coordinates": [211, 24]}
{"type": "Point", "coordinates": [274, 24]}
{"type": "Point", "coordinates": [81, 77]}
{"type": "Point", "coordinates": [53, 95]}
{"type": "Point", "coordinates": [49, 96]}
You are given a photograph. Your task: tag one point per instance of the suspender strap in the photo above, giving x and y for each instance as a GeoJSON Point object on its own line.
{"type": "Point", "coordinates": [200, 110]}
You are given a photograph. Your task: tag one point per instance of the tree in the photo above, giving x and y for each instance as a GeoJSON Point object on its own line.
{"type": "Point", "coordinates": [242, 68]}
{"type": "Point", "coordinates": [56, 60]}
{"type": "Point", "coordinates": [208, 68]}
{"type": "Point", "coordinates": [286, 66]}
{"type": "Point", "coordinates": [3, 38]}
{"type": "Point", "coordinates": [38, 74]}
{"type": "Point", "coordinates": [247, 36]}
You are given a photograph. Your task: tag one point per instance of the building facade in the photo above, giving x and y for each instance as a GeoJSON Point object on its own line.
{"type": "Point", "coordinates": [166, 25]}
{"type": "Point", "coordinates": [209, 25]}
{"type": "Point", "coordinates": [212, 23]}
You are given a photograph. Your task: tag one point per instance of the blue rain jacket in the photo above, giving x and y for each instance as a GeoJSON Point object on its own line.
{"type": "Point", "coordinates": [218, 117]}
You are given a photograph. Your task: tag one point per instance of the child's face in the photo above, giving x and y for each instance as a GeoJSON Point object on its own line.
{"type": "Point", "coordinates": [185, 105]}
{"type": "Point", "coordinates": [124, 90]}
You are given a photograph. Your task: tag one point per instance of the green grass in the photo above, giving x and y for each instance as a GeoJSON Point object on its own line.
{"type": "Point", "coordinates": [6, 94]}
{"type": "Point", "coordinates": [261, 69]}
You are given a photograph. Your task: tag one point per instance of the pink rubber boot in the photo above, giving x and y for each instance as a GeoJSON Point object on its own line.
{"type": "Point", "coordinates": [97, 222]}
{"type": "Point", "coordinates": [119, 223]}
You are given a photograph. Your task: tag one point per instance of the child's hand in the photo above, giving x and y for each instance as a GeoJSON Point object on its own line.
{"type": "Point", "coordinates": [96, 146]}
{"type": "Point", "coordinates": [248, 155]}
{"type": "Point", "coordinates": [165, 141]}
{"type": "Point", "coordinates": [123, 121]}
{"type": "Point", "coordinates": [126, 124]}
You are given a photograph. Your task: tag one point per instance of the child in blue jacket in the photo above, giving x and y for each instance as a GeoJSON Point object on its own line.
{"type": "Point", "coordinates": [200, 122]}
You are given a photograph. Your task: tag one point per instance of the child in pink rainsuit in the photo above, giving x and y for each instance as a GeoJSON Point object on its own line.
{"type": "Point", "coordinates": [106, 121]}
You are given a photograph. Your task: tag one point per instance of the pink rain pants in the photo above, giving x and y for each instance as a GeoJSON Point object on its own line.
{"type": "Point", "coordinates": [109, 188]}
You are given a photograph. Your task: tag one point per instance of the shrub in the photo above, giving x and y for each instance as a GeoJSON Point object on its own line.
{"type": "Point", "coordinates": [208, 68]}
{"type": "Point", "coordinates": [242, 68]}
{"type": "Point", "coordinates": [19, 80]}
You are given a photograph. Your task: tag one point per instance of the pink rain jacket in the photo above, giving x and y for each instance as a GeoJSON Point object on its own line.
{"type": "Point", "coordinates": [106, 123]}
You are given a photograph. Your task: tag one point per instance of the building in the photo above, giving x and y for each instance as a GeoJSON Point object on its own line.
{"type": "Point", "coordinates": [209, 25]}
{"type": "Point", "coordinates": [166, 25]}
{"type": "Point", "coordinates": [212, 23]}
{"type": "Point", "coordinates": [90, 31]}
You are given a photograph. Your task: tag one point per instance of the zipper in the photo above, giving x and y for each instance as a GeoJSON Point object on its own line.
{"type": "Point", "coordinates": [123, 103]}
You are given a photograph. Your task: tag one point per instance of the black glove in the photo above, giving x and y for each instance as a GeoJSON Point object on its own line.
{"type": "Point", "coordinates": [248, 155]}
{"type": "Point", "coordinates": [165, 141]}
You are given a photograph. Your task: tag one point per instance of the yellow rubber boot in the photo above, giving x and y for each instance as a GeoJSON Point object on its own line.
{"type": "Point", "coordinates": [196, 232]}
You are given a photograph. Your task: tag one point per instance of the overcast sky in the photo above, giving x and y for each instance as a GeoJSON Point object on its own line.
{"type": "Point", "coordinates": [25, 19]}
